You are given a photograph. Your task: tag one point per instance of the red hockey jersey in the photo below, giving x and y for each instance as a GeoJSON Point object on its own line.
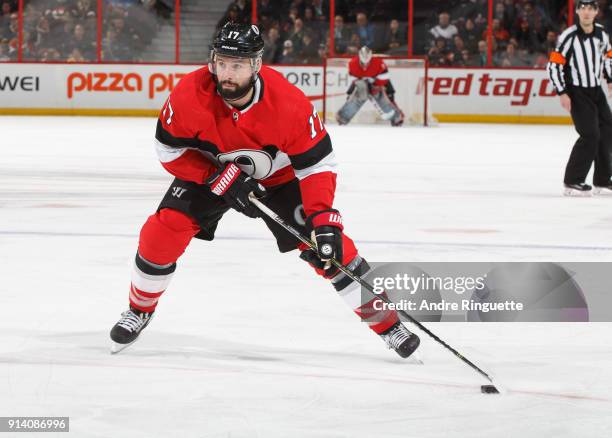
{"type": "Point", "coordinates": [276, 138]}
{"type": "Point", "coordinates": [376, 71]}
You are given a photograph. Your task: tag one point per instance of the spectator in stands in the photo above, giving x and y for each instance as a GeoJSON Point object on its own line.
{"type": "Point", "coordinates": [364, 30]}
{"type": "Point", "coordinates": [266, 11]}
{"type": "Point", "coordinates": [31, 16]}
{"type": "Point", "coordinates": [322, 53]}
{"type": "Point", "coordinates": [308, 53]}
{"type": "Point", "coordinates": [85, 46]}
{"type": "Point", "coordinates": [470, 35]}
{"type": "Point", "coordinates": [383, 10]}
{"type": "Point", "coordinates": [50, 55]}
{"type": "Point", "coordinates": [58, 15]}
{"type": "Point", "coordinates": [288, 56]}
{"type": "Point", "coordinates": [244, 11]}
{"type": "Point", "coordinates": [5, 9]}
{"type": "Point", "coordinates": [500, 14]}
{"type": "Point", "coordinates": [114, 47]}
{"type": "Point", "coordinates": [273, 49]}
{"type": "Point", "coordinates": [500, 35]}
{"type": "Point", "coordinates": [82, 8]}
{"type": "Point", "coordinates": [458, 47]}
{"type": "Point", "coordinates": [296, 35]}
{"type": "Point", "coordinates": [444, 28]}
{"type": "Point", "coordinates": [5, 16]}
{"type": "Point", "coordinates": [550, 43]}
{"type": "Point", "coordinates": [4, 51]}
{"type": "Point", "coordinates": [354, 45]}
{"type": "Point", "coordinates": [509, 57]}
{"type": "Point", "coordinates": [61, 38]}
{"type": "Point", "coordinates": [319, 12]}
{"type": "Point", "coordinates": [526, 37]}
{"type": "Point", "coordinates": [76, 56]}
{"type": "Point", "coordinates": [289, 20]}
{"type": "Point", "coordinates": [510, 12]}
{"type": "Point", "coordinates": [468, 9]}
{"type": "Point", "coordinates": [43, 32]}
{"type": "Point", "coordinates": [342, 35]}
{"type": "Point", "coordinates": [309, 20]}
{"type": "Point", "coordinates": [467, 59]}
{"type": "Point", "coordinates": [437, 54]}
{"type": "Point", "coordinates": [394, 37]}
{"type": "Point", "coordinates": [529, 13]}
{"type": "Point", "coordinates": [90, 23]}
{"type": "Point", "coordinates": [9, 31]}
{"type": "Point", "coordinates": [232, 14]}
{"type": "Point", "coordinates": [481, 59]}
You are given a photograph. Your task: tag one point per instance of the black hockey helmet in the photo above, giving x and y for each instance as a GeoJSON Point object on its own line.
{"type": "Point", "coordinates": [580, 3]}
{"type": "Point", "coordinates": [238, 40]}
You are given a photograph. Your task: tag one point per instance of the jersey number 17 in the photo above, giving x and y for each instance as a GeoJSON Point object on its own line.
{"type": "Point", "coordinates": [313, 127]}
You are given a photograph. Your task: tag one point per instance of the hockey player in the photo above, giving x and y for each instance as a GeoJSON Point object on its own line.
{"type": "Point", "coordinates": [230, 129]}
{"type": "Point", "coordinates": [370, 82]}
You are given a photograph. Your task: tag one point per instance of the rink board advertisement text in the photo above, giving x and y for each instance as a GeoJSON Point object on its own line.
{"type": "Point", "coordinates": [455, 94]}
{"type": "Point", "coordinates": [493, 292]}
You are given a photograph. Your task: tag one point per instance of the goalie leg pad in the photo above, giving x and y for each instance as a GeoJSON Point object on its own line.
{"type": "Point", "coordinates": [354, 102]}
{"type": "Point", "coordinates": [386, 108]}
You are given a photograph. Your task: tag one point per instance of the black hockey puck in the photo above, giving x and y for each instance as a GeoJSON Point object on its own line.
{"type": "Point", "coordinates": [489, 389]}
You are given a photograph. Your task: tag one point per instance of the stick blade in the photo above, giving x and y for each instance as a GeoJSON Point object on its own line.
{"type": "Point", "coordinates": [489, 389]}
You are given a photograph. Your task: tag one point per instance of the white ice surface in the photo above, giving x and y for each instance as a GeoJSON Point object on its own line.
{"type": "Point", "coordinates": [247, 342]}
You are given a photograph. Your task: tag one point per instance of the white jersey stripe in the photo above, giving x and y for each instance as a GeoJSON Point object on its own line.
{"type": "Point", "coordinates": [327, 164]}
{"type": "Point", "coordinates": [167, 153]}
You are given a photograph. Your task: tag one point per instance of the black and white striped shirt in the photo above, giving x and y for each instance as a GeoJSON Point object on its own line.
{"type": "Point", "coordinates": [580, 58]}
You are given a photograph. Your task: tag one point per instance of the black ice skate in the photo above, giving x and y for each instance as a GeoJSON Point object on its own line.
{"type": "Point", "coordinates": [126, 331]}
{"type": "Point", "coordinates": [580, 189]}
{"type": "Point", "coordinates": [400, 339]}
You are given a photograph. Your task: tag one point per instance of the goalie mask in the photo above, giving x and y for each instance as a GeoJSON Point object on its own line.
{"type": "Point", "coordinates": [242, 41]}
{"type": "Point", "coordinates": [365, 56]}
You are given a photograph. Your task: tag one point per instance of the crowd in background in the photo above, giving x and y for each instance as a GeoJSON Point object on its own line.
{"type": "Point", "coordinates": [298, 31]}
{"type": "Point", "coordinates": [524, 32]}
{"type": "Point", "coordinates": [448, 32]}
{"type": "Point", "coordinates": [66, 30]}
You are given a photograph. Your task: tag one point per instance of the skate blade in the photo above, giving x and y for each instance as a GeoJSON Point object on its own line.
{"type": "Point", "coordinates": [602, 192]}
{"type": "Point", "coordinates": [573, 193]}
{"type": "Point", "coordinates": [416, 358]}
{"type": "Point", "coordinates": [116, 347]}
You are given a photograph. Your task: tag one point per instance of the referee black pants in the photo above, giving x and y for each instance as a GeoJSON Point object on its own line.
{"type": "Point", "coordinates": [593, 121]}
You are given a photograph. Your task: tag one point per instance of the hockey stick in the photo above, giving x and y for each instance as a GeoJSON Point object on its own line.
{"type": "Point", "coordinates": [276, 218]}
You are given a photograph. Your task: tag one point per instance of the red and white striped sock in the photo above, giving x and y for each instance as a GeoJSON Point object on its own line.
{"type": "Point", "coordinates": [363, 305]}
{"type": "Point", "coordinates": [149, 281]}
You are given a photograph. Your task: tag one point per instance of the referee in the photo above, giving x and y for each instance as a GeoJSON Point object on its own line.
{"type": "Point", "coordinates": [575, 69]}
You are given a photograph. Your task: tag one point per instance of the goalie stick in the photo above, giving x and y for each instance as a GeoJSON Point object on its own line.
{"type": "Point", "coordinates": [489, 389]}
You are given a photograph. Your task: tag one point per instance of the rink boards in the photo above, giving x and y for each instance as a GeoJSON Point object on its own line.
{"type": "Point", "coordinates": [456, 95]}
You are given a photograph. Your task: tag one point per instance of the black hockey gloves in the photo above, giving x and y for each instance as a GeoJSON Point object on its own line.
{"type": "Point", "coordinates": [234, 186]}
{"type": "Point", "coordinates": [326, 231]}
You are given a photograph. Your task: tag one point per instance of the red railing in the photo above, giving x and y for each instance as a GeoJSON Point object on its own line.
{"type": "Point", "coordinates": [254, 15]}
